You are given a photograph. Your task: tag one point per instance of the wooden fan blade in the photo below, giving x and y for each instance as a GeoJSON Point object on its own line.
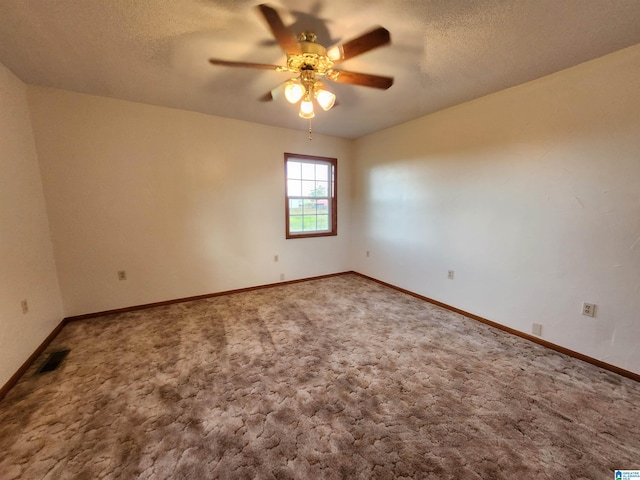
{"type": "Point", "coordinates": [285, 38]}
{"type": "Point", "coordinates": [364, 79]}
{"type": "Point", "coordinates": [227, 63]}
{"type": "Point", "coordinates": [267, 97]}
{"type": "Point", "coordinates": [375, 38]}
{"type": "Point", "coordinates": [273, 94]}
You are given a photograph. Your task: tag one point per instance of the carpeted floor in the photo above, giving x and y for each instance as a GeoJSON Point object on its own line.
{"type": "Point", "coordinates": [333, 378]}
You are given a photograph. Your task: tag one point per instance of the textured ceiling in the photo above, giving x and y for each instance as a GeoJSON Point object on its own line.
{"type": "Point", "coordinates": [443, 52]}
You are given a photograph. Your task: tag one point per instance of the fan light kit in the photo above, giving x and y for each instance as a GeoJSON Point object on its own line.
{"type": "Point", "coordinates": [309, 60]}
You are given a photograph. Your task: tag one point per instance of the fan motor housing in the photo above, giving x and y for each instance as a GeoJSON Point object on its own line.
{"type": "Point", "coordinates": [313, 57]}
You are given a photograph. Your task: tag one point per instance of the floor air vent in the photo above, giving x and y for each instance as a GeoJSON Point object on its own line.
{"type": "Point", "coordinates": [53, 361]}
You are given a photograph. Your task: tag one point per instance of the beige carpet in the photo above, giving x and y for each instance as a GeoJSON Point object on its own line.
{"type": "Point", "coordinates": [331, 378]}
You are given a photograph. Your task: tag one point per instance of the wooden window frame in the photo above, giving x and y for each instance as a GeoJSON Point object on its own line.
{"type": "Point", "coordinates": [332, 194]}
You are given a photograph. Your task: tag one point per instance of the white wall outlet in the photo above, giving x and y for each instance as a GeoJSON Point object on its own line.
{"type": "Point", "coordinates": [367, 253]}
{"type": "Point", "coordinates": [282, 277]}
{"type": "Point", "coordinates": [25, 306]}
{"type": "Point", "coordinates": [450, 275]}
{"type": "Point", "coordinates": [122, 275]}
{"type": "Point", "coordinates": [275, 258]}
{"type": "Point", "coordinates": [536, 329]}
{"type": "Point", "coordinates": [589, 309]}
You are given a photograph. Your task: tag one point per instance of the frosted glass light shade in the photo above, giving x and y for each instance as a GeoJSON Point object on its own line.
{"type": "Point", "coordinates": [293, 92]}
{"type": "Point", "coordinates": [325, 99]}
{"type": "Point", "coordinates": [306, 109]}
{"type": "Point", "coordinates": [334, 53]}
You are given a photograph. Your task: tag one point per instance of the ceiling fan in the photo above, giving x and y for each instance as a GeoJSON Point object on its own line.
{"type": "Point", "coordinates": [309, 60]}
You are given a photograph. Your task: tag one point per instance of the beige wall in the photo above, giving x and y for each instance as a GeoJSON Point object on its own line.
{"type": "Point", "coordinates": [27, 268]}
{"type": "Point", "coordinates": [532, 197]}
{"type": "Point", "coordinates": [186, 203]}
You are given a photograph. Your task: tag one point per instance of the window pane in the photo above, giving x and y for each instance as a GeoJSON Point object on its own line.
{"type": "Point", "coordinates": [309, 207]}
{"type": "Point", "coordinates": [308, 171]}
{"type": "Point", "coordinates": [323, 222]}
{"type": "Point", "coordinates": [295, 223]}
{"type": "Point", "coordinates": [308, 188]}
{"type": "Point", "coordinates": [320, 189]}
{"type": "Point", "coordinates": [310, 224]}
{"type": "Point", "coordinates": [293, 169]}
{"type": "Point", "coordinates": [322, 172]}
{"type": "Point", "coordinates": [294, 188]}
{"type": "Point", "coordinates": [295, 207]}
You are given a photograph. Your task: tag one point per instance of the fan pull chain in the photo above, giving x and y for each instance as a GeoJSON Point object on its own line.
{"type": "Point", "coordinates": [310, 135]}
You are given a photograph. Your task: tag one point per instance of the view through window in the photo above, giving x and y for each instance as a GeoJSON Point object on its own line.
{"type": "Point", "coordinates": [311, 203]}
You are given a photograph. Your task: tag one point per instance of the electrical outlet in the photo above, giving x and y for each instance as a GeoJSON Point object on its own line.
{"type": "Point", "coordinates": [122, 275]}
{"type": "Point", "coordinates": [25, 306]}
{"type": "Point", "coordinates": [275, 258]}
{"type": "Point", "coordinates": [450, 275]}
{"type": "Point", "coordinates": [589, 309]}
{"type": "Point", "coordinates": [282, 277]}
{"type": "Point", "coordinates": [536, 329]}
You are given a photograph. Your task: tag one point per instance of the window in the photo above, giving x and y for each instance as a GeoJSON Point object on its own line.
{"type": "Point", "coordinates": [311, 196]}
